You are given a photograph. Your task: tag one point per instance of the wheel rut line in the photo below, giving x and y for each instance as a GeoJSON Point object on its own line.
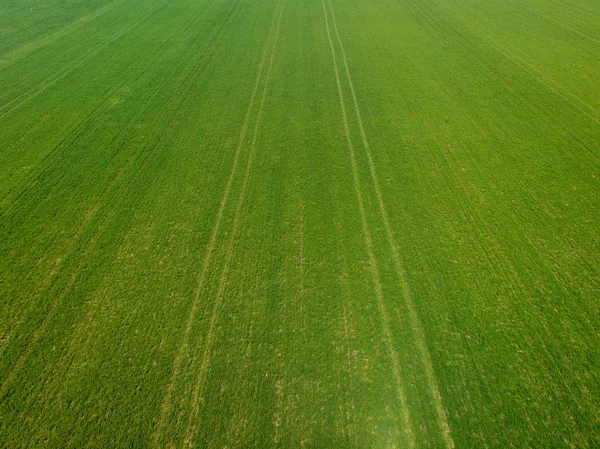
{"type": "Point", "coordinates": [91, 244]}
{"type": "Point", "coordinates": [22, 51]}
{"type": "Point", "coordinates": [398, 265]}
{"type": "Point", "coordinates": [88, 218]}
{"type": "Point", "coordinates": [350, 419]}
{"type": "Point", "coordinates": [191, 427]}
{"type": "Point", "coordinates": [48, 82]}
{"type": "Point", "coordinates": [301, 249]}
{"type": "Point", "coordinates": [555, 87]}
{"type": "Point", "coordinates": [351, 425]}
{"type": "Point", "coordinates": [558, 22]}
{"type": "Point", "coordinates": [166, 403]}
{"type": "Point", "coordinates": [383, 313]}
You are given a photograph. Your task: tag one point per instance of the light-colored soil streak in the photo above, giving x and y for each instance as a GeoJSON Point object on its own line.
{"type": "Point", "coordinates": [166, 403]}
{"type": "Point", "coordinates": [350, 418]}
{"type": "Point", "coordinates": [406, 293]}
{"type": "Point", "coordinates": [192, 424]}
{"type": "Point", "coordinates": [383, 313]}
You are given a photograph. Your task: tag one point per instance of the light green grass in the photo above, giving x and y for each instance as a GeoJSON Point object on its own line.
{"type": "Point", "coordinates": [323, 224]}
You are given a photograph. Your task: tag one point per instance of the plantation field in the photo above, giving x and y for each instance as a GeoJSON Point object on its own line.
{"type": "Point", "coordinates": [300, 223]}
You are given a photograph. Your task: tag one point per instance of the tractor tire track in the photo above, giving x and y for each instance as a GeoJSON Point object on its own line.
{"type": "Point", "coordinates": [53, 79]}
{"type": "Point", "coordinates": [398, 265]}
{"type": "Point", "coordinates": [199, 387]}
{"type": "Point", "coordinates": [579, 104]}
{"type": "Point", "coordinates": [166, 402]}
{"type": "Point", "coordinates": [89, 216]}
{"type": "Point", "coordinates": [382, 310]}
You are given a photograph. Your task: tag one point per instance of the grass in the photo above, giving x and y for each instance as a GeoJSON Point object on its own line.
{"type": "Point", "coordinates": [299, 224]}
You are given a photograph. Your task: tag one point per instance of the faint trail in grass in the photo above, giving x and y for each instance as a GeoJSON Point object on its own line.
{"type": "Point", "coordinates": [301, 255]}
{"type": "Point", "coordinates": [351, 427]}
{"type": "Point", "coordinates": [76, 131]}
{"type": "Point", "coordinates": [572, 99]}
{"type": "Point", "coordinates": [53, 79]}
{"type": "Point", "coordinates": [92, 211]}
{"type": "Point", "coordinates": [78, 268]}
{"type": "Point", "coordinates": [383, 313]}
{"type": "Point", "coordinates": [350, 418]}
{"type": "Point", "coordinates": [191, 427]}
{"type": "Point", "coordinates": [398, 265]}
{"type": "Point", "coordinates": [558, 22]}
{"type": "Point", "coordinates": [301, 249]}
{"type": "Point", "coordinates": [20, 52]}
{"type": "Point", "coordinates": [166, 403]}
{"type": "Point", "coordinates": [56, 303]}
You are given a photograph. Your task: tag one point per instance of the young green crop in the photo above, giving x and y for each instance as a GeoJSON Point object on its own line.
{"type": "Point", "coordinates": [242, 223]}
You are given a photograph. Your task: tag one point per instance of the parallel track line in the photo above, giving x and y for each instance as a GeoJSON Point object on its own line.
{"type": "Point", "coordinates": [48, 82]}
{"type": "Point", "coordinates": [208, 343]}
{"type": "Point", "coordinates": [398, 265]}
{"type": "Point", "coordinates": [555, 87]}
{"type": "Point", "coordinates": [166, 403]}
{"type": "Point", "coordinates": [383, 313]}
{"type": "Point", "coordinates": [558, 22]}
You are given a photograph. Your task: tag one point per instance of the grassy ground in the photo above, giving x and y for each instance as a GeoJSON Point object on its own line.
{"type": "Point", "coordinates": [242, 223]}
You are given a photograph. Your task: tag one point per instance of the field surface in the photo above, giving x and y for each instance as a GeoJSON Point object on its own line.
{"type": "Point", "coordinates": [300, 223]}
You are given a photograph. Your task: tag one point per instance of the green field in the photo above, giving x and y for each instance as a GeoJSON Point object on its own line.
{"type": "Point", "coordinates": [300, 223]}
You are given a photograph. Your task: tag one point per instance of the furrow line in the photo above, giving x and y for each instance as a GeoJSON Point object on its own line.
{"type": "Point", "coordinates": [398, 265]}
{"type": "Point", "coordinates": [384, 315]}
{"type": "Point", "coordinates": [301, 249]}
{"type": "Point", "coordinates": [191, 427]}
{"type": "Point", "coordinates": [91, 244]}
{"type": "Point", "coordinates": [48, 82]}
{"type": "Point", "coordinates": [20, 52]}
{"type": "Point", "coordinates": [166, 403]}
{"type": "Point", "coordinates": [350, 417]}
{"type": "Point", "coordinates": [558, 22]}
{"type": "Point", "coordinates": [91, 212]}
{"type": "Point", "coordinates": [555, 87]}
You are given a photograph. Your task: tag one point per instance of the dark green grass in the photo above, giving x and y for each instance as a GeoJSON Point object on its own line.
{"type": "Point", "coordinates": [121, 123]}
